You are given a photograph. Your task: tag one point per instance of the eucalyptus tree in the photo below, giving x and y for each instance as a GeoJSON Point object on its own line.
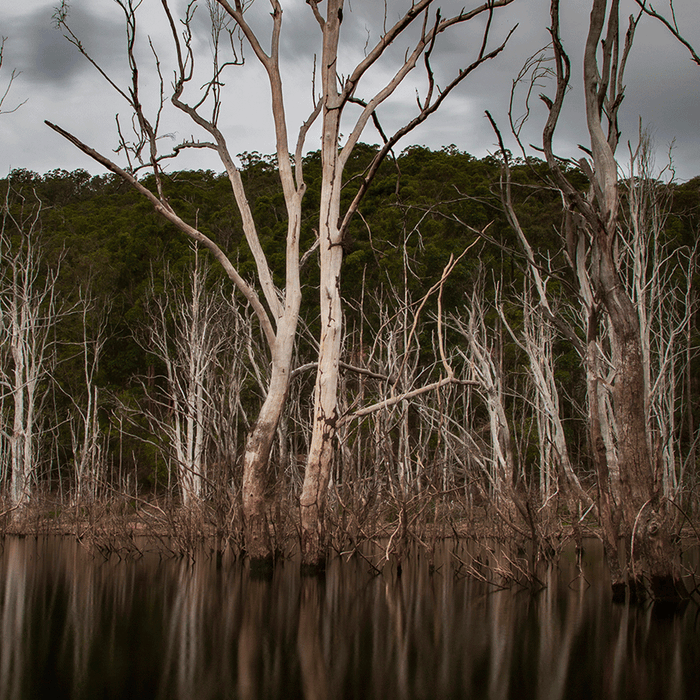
{"type": "Point", "coordinates": [29, 311]}
{"type": "Point", "coordinates": [335, 99]}
{"type": "Point", "coordinates": [276, 311]}
{"type": "Point", "coordinates": [608, 326]}
{"type": "Point", "coordinates": [195, 332]}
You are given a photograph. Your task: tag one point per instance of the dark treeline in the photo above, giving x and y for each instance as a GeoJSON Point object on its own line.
{"type": "Point", "coordinates": [132, 371]}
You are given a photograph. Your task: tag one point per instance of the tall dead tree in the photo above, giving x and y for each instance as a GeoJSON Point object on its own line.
{"type": "Point", "coordinates": [28, 315]}
{"type": "Point", "coordinates": [277, 311]}
{"type": "Point", "coordinates": [337, 94]}
{"type": "Point", "coordinates": [630, 503]}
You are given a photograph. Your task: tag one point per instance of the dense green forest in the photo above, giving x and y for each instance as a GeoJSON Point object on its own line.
{"type": "Point", "coordinates": [108, 285]}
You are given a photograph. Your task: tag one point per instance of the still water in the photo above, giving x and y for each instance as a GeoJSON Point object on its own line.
{"type": "Point", "coordinates": [76, 626]}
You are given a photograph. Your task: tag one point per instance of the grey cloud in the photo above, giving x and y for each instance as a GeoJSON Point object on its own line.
{"type": "Point", "coordinates": [662, 85]}
{"type": "Point", "coordinates": [47, 58]}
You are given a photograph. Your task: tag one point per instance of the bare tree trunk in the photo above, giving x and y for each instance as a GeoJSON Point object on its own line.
{"type": "Point", "coordinates": [320, 459]}
{"type": "Point", "coordinates": [336, 94]}
{"type": "Point", "coordinates": [258, 448]}
{"type": "Point", "coordinates": [631, 508]}
{"type": "Point", "coordinates": [84, 426]}
{"type": "Point", "coordinates": [644, 525]}
{"type": "Point", "coordinates": [28, 313]}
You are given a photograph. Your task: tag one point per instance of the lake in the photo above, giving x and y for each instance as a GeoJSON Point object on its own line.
{"type": "Point", "coordinates": [75, 625]}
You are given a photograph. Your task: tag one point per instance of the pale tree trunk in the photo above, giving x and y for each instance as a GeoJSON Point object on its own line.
{"type": "Point", "coordinates": [22, 424]}
{"type": "Point", "coordinates": [540, 321]}
{"type": "Point", "coordinates": [508, 494]}
{"type": "Point", "coordinates": [486, 375]}
{"type": "Point", "coordinates": [336, 94]}
{"type": "Point", "coordinates": [258, 448]}
{"type": "Point", "coordinates": [28, 313]}
{"type": "Point", "coordinates": [276, 311]}
{"type": "Point", "coordinates": [84, 426]}
{"type": "Point", "coordinates": [632, 507]}
{"type": "Point", "coordinates": [320, 459]}
{"type": "Point", "coordinates": [601, 414]}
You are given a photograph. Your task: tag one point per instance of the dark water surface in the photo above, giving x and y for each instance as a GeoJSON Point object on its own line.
{"type": "Point", "coordinates": [76, 626]}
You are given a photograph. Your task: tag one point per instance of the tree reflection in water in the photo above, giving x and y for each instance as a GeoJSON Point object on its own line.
{"type": "Point", "coordinates": [75, 626]}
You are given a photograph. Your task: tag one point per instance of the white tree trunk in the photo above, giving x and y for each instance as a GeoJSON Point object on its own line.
{"type": "Point", "coordinates": [28, 311]}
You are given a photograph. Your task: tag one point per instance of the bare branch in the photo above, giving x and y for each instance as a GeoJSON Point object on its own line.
{"type": "Point", "coordinates": [671, 25]}
{"type": "Point", "coordinates": [392, 401]}
{"type": "Point", "coordinates": [319, 17]}
{"type": "Point", "coordinates": [271, 64]}
{"type": "Point", "coordinates": [13, 76]}
{"type": "Point", "coordinates": [417, 8]}
{"type": "Point", "coordinates": [60, 18]}
{"type": "Point", "coordinates": [163, 208]}
{"type": "Point", "coordinates": [533, 267]}
{"type": "Point", "coordinates": [447, 271]}
{"type": "Point", "coordinates": [426, 111]}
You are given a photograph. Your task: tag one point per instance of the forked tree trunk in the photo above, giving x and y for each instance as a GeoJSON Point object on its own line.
{"type": "Point", "coordinates": [643, 525]}
{"type": "Point", "coordinates": [337, 92]}
{"type": "Point", "coordinates": [277, 317]}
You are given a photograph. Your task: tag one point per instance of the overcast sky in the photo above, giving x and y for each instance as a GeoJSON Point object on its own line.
{"type": "Point", "coordinates": [58, 84]}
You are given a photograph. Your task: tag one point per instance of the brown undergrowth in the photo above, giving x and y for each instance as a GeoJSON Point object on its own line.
{"type": "Point", "coordinates": [490, 544]}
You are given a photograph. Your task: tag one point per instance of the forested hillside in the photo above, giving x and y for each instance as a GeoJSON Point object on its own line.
{"type": "Point", "coordinates": [148, 367]}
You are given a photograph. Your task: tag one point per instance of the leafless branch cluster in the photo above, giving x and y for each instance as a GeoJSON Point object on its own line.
{"type": "Point", "coordinates": [29, 311]}
{"type": "Point", "coordinates": [13, 76]}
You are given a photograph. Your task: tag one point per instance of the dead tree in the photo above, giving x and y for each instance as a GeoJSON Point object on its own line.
{"type": "Point", "coordinates": [189, 330]}
{"type": "Point", "coordinates": [8, 86]}
{"type": "Point", "coordinates": [631, 506]}
{"type": "Point", "coordinates": [87, 439]}
{"type": "Point", "coordinates": [337, 93]}
{"type": "Point", "coordinates": [659, 276]}
{"type": "Point", "coordinates": [277, 311]}
{"type": "Point", "coordinates": [28, 314]}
